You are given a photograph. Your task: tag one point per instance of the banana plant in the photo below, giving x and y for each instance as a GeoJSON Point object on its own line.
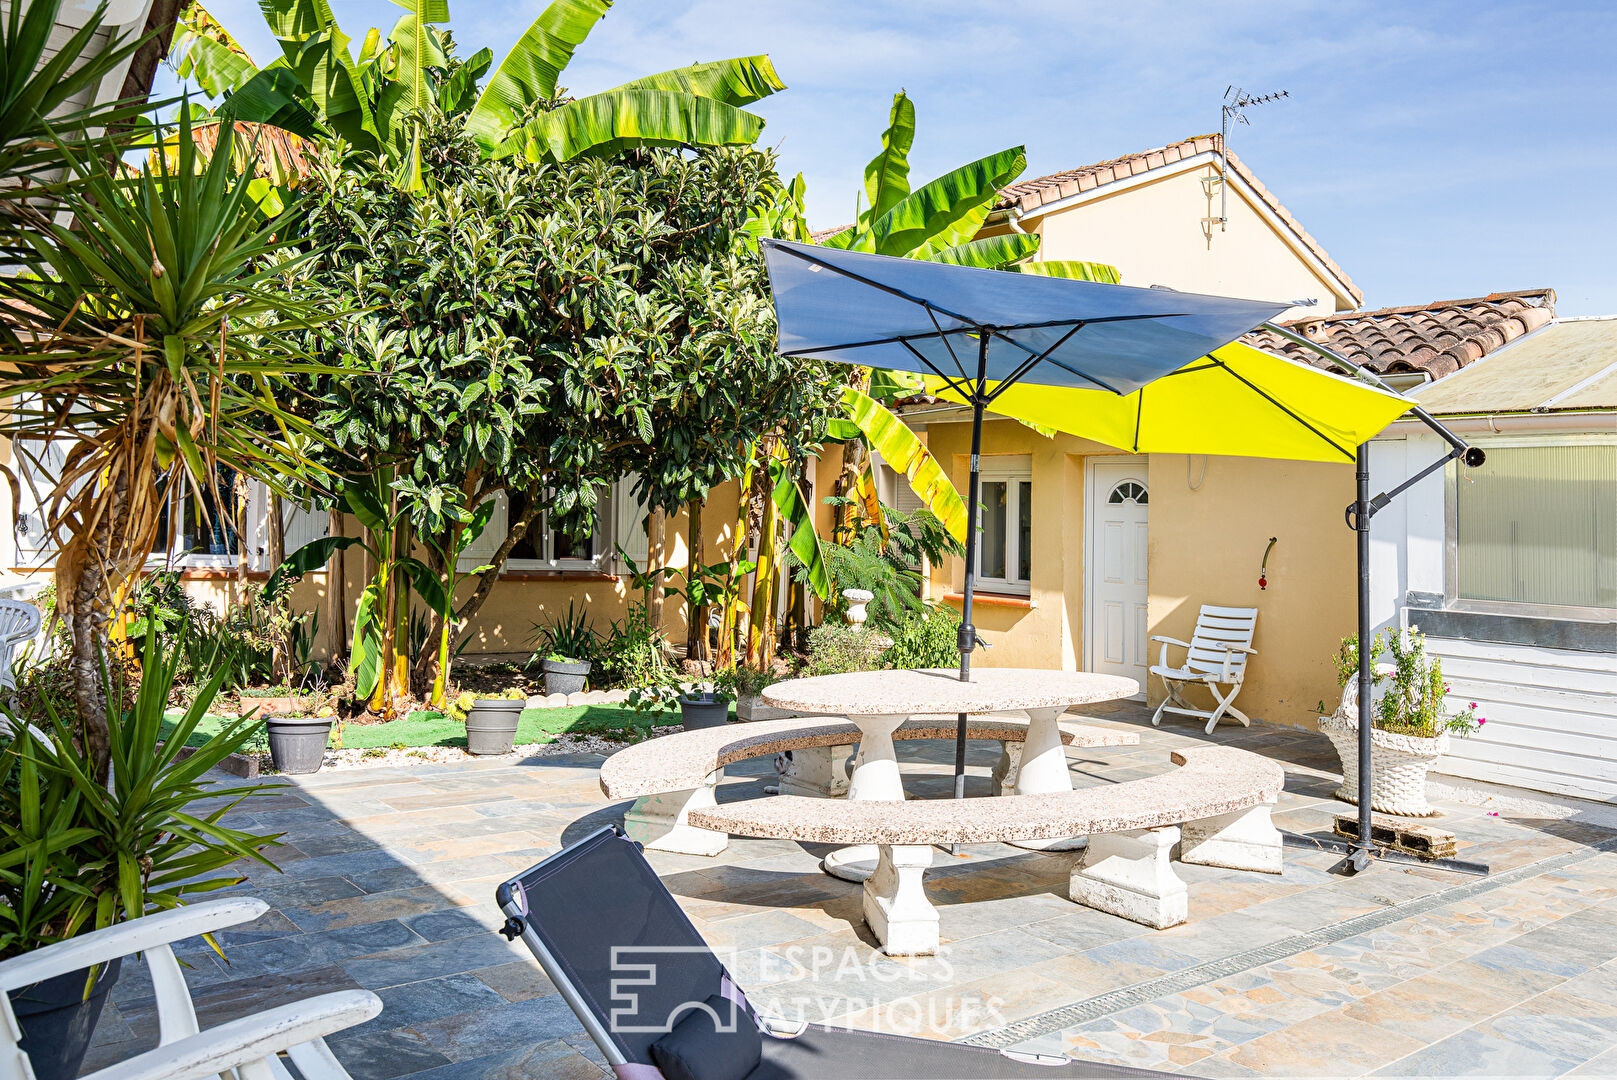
{"type": "Point", "coordinates": [378, 655]}
{"type": "Point", "coordinates": [439, 592]}
{"type": "Point", "coordinates": [374, 102]}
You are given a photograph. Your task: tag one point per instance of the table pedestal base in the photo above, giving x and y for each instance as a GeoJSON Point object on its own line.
{"type": "Point", "coordinates": [875, 777]}
{"type": "Point", "coordinates": [1040, 767]}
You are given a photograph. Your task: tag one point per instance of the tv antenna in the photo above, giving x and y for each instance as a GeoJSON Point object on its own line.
{"type": "Point", "coordinates": [1236, 101]}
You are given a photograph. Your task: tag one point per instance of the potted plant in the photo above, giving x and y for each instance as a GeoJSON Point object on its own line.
{"type": "Point", "coordinates": [1410, 722]}
{"type": "Point", "coordinates": [746, 685]}
{"type": "Point", "coordinates": [74, 827]}
{"type": "Point", "coordinates": [698, 708]}
{"type": "Point", "coordinates": [564, 650]}
{"type": "Point", "coordinates": [491, 722]}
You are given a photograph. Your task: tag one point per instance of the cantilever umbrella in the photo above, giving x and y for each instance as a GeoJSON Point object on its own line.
{"type": "Point", "coordinates": [1098, 353]}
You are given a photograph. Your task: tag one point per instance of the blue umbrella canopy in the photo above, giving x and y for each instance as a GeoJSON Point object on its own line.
{"type": "Point", "coordinates": [931, 318]}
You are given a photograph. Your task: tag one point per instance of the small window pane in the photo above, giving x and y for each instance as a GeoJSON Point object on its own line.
{"type": "Point", "coordinates": [1024, 532]}
{"type": "Point", "coordinates": [992, 538]}
{"type": "Point", "coordinates": [209, 526]}
{"type": "Point", "coordinates": [1538, 525]}
{"type": "Point", "coordinates": [529, 546]}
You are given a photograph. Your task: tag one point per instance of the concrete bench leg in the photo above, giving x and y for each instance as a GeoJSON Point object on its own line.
{"type": "Point", "coordinates": [1130, 874]}
{"type": "Point", "coordinates": [1241, 840]}
{"type": "Point", "coordinates": [818, 770]}
{"type": "Point", "coordinates": [658, 821]}
{"type": "Point", "coordinates": [895, 903]}
{"type": "Point", "coordinates": [1006, 769]}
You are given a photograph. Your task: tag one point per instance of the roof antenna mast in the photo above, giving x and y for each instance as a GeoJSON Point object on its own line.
{"type": "Point", "coordinates": [1235, 100]}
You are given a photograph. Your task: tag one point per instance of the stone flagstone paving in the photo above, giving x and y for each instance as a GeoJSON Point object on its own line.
{"type": "Point", "coordinates": [387, 880]}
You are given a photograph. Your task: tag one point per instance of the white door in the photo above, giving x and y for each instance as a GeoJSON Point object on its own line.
{"type": "Point", "coordinates": [1118, 529]}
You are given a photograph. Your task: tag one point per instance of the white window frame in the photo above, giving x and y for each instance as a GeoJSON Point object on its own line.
{"type": "Point", "coordinates": [1451, 533]}
{"type": "Point", "coordinates": [254, 534]}
{"type": "Point", "coordinates": [500, 522]}
{"type": "Point", "coordinates": [1011, 470]}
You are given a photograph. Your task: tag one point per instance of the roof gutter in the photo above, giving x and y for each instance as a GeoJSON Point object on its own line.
{"type": "Point", "coordinates": [1573, 420]}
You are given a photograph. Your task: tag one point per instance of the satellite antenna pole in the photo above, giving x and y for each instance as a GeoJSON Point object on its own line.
{"type": "Point", "coordinates": [1235, 100]}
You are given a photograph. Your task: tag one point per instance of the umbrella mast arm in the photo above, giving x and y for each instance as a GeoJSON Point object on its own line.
{"type": "Point", "coordinates": [1359, 513]}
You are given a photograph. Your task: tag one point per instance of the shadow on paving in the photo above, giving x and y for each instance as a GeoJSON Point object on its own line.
{"type": "Point", "coordinates": [387, 879]}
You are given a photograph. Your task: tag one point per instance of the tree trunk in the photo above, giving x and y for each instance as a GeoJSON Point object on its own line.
{"type": "Point", "coordinates": [730, 621]}
{"type": "Point", "coordinates": [695, 623]}
{"type": "Point", "coordinates": [398, 656]}
{"type": "Point", "coordinates": [336, 593]}
{"type": "Point", "coordinates": [656, 531]}
{"type": "Point", "coordinates": [82, 577]}
{"type": "Point", "coordinates": [280, 658]}
{"type": "Point", "coordinates": [847, 513]}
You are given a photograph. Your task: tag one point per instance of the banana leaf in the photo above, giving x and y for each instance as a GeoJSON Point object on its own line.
{"type": "Point", "coordinates": [944, 212]}
{"type": "Point", "coordinates": [991, 252]}
{"type": "Point", "coordinates": [216, 68]}
{"type": "Point", "coordinates": [1071, 268]}
{"type": "Point", "coordinates": [799, 517]}
{"type": "Point", "coordinates": [617, 119]}
{"type": "Point", "coordinates": [529, 71]}
{"type": "Point", "coordinates": [904, 452]}
{"type": "Point", "coordinates": [740, 81]}
{"type": "Point", "coordinates": [887, 177]}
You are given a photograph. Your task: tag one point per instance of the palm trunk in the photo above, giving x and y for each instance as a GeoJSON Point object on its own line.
{"type": "Point", "coordinates": [761, 634]}
{"type": "Point", "coordinates": [398, 654]}
{"type": "Point", "coordinates": [728, 621]}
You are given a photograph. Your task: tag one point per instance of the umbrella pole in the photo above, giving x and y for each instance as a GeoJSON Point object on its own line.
{"type": "Point", "coordinates": [968, 633]}
{"type": "Point", "coordinates": [1360, 858]}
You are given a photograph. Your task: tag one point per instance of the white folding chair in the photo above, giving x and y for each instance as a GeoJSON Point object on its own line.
{"type": "Point", "coordinates": [1215, 656]}
{"type": "Point", "coordinates": [19, 624]}
{"type": "Point", "coordinates": [247, 1049]}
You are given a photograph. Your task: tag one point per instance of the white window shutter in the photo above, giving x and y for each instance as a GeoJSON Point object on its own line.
{"type": "Point", "coordinates": [629, 522]}
{"type": "Point", "coordinates": [300, 525]}
{"type": "Point", "coordinates": [481, 550]}
{"type": "Point", "coordinates": [33, 541]}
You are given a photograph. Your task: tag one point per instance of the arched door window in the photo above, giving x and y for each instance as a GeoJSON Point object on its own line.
{"type": "Point", "coordinates": [1129, 491]}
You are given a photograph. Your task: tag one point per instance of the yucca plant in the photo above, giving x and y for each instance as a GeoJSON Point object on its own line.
{"type": "Point", "coordinates": [148, 338]}
{"type": "Point", "coordinates": [78, 854]}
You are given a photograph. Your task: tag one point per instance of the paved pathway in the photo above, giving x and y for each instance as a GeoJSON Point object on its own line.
{"type": "Point", "coordinates": [387, 880]}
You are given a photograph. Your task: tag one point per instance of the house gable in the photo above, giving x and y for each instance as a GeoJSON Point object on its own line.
{"type": "Point", "coordinates": [1153, 215]}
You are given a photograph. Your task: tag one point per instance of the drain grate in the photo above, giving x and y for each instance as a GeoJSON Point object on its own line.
{"type": "Point", "coordinates": [1177, 982]}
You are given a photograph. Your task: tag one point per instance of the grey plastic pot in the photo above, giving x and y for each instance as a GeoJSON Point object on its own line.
{"type": "Point", "coordinates": [565, 677]}
{"type": "Point", "coordinates": [298, 743]}
{"type": "Point", "coordinates": [704, 710]}
{"type": "Point", "coordinates": [491, 725]}
{"type": "Point", "coordinates": [57, 1020]}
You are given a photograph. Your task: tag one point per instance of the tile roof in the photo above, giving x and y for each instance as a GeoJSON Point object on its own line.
{"type": "Point", "coordinates": [1438, 338]}
{"type": "Point", "coordinates": [820, 236]}
{"type": "Point", "coordinates": [1029, 195]}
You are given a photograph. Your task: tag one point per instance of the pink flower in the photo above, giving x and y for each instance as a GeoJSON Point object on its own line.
{"type": "Point", "coordinates": [1473, 704]}
{"type": "Point", "coordinates": [1481, 721]}
{"type": "Point", "coordinates": [1493, 813]}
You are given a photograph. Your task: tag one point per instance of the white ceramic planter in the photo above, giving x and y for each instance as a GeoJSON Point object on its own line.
{"type": "Point", "coordinates": [1398, 763]}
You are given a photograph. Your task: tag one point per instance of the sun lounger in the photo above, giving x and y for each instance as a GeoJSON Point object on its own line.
{"type": "Point", "coordinates": [652, 994]}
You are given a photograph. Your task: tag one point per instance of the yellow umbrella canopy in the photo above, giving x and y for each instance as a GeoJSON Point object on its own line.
{"type": "Point", "coordinates": [1236, 401]}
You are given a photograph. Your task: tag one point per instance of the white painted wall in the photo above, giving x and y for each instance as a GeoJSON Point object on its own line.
{"type": "Point", "coordinates": [1552, 713]}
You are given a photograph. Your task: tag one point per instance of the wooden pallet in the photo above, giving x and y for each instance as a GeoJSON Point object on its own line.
{"type": "Point", "coordinates": [1408, 836]}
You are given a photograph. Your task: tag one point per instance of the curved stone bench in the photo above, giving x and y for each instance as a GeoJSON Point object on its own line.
{"type": "Point", "coordinates": [675, 774]}
{"type": "Point", "coordinates": [1220, 795]}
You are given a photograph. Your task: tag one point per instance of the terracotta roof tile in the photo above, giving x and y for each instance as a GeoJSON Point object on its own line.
{"type": "Point", "coordinates": [1029, 195]}
{"type": "Point", "coordinates": [1438, 338]}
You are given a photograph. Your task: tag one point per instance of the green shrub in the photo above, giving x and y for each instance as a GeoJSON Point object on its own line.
{"type": "Point", "coordinates": [928, 640]}
{"type": "Point", "coordinates": [835, 648]}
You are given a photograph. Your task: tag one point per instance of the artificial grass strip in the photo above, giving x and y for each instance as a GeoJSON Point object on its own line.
{"type": "Point", "coordinates": [424, 728]}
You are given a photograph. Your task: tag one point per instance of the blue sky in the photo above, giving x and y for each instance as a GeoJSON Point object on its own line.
{"type": "Point", "coordinates": [1437, 150]}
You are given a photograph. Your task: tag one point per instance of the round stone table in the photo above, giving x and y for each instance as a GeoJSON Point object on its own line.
{"type": "Point", "coordinates": [879, 701]}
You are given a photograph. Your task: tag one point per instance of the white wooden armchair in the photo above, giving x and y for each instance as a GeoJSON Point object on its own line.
{"type": "Point", "coordinates": [246, 1049]}
{"type": "Point", "coordinates": [19, 624]}
{"type": "Point", "coordinates": [1215, 656]}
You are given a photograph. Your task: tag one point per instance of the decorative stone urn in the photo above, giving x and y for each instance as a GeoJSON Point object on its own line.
{"type": "Point", "coordinates": [857, 599]}
{"type": "Point", "coordinates": [1399, 763]}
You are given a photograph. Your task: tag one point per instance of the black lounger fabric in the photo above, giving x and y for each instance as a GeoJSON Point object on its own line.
{"type": "Point", "coordinates": [717, 1041]}
{"type": "Point", "coordinates": [822, 1053]}
{"type": "Point", "coordinates": [606, 917]}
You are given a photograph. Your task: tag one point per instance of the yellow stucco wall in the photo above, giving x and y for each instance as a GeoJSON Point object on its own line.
{"type": "Point", "coordinates": [1205, 547]}
{"type": "Point", "coordinates": [1154, 234]}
